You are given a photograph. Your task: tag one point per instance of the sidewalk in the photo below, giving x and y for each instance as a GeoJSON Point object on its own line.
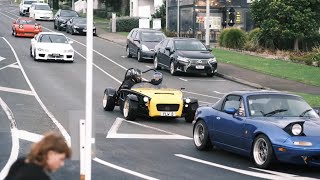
{"type": "Point", "coordinates": [237, 74]}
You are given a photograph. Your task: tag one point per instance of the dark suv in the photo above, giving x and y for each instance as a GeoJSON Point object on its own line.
{"type": "Point", "coordinates": [184, 55]}
{"type": "Point", "coordinates": [61, 18]}
{"type": "Point", "coordinates": [141, 43]}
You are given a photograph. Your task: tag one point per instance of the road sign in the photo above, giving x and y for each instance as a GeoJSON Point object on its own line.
{"type": "Point", "coordinates": [238, 17]}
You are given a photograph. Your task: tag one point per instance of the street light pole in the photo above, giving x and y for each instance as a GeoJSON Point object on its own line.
{"type": "Point", "coordinates": [178, 18]}
{"type": "Point", "coordinates": [207, 24]}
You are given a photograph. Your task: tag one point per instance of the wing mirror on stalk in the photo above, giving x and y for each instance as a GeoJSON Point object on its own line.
{"type": "Point", "coordinates": [135, 39]}
{"type": "Point", "coordinates": [231, 111]}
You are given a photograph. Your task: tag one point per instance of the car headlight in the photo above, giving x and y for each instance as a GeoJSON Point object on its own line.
{"type": "Point", "coordinates": [183, 59]}
{"type": "Point", "coordinates": [145, 99]}
{"type": "Point", "coordinates": [296, 129]}
{"type": "Point", "coordinates": [302, 143]}
{"type": "Point", "coordinates": [188, 100]}
{"type": "Point", "coordinates": [63, 21]}
{"type": "Point", "coordinates": [42, 49]}
{"type": "Point", "coordinates": [212, 60]}
{"type": "Point", "coordinates": [68, 51]}
{"type": "Point", "coordinates": [75, 26]}
{"type": "Point", "coordinates": [144, 48]}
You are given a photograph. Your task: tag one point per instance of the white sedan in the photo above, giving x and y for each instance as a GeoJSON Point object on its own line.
{"type": "Point", "coordinates": [51, 46]}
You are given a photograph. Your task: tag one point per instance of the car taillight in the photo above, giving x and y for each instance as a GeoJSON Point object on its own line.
{"type": "Point", "coordinates": [37, 27]}
{"type": "Point", "coordinates": [20, 26]}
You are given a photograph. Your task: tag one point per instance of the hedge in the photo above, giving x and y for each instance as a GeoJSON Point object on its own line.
{"type": "Point", "coordinates": [126, 24]}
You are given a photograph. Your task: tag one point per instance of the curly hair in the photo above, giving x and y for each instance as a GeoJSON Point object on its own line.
{"type": "Point", "coordinates": [50, 142]}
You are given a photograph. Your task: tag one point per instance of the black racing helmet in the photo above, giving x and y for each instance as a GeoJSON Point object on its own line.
{"type": "Point", "coordinates": [156, 78]}
{"type": "Point", "coordinates": [134, 74]}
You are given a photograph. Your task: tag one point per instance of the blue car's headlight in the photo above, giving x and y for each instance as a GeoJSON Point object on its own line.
{"type": "Point", "coordinates": [296, 129]}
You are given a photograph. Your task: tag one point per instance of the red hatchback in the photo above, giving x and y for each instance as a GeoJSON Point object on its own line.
{"type": "Point", "coordinates": [27, 27]}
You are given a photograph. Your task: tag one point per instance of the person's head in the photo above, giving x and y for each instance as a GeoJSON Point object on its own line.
{"type": "Point", "coordinates": [134, 75]}
{"type": "Point", "coordinates": [156, 78]}
{"type": "Point", "coordinates": [50, 152]}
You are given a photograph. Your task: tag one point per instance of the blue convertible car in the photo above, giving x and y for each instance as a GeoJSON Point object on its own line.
{"type": "Point", "coordinates": [264, 125]}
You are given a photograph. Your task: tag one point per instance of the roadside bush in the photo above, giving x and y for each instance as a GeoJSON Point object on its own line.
{"type": "Point", "coordinates": [221, 37]}
{"type": "Point", "coordinates": [253, 40]}
{"type": "Point", "coordinates": [100, 13]}
{"type": "Point", "coordinates": [169, 33]}
{"type": "Point", "coordinates": [303, 58]}
{"type": "Point", "coordinates": [126, 24]}
{"type": "Point", "coordinates": [316, 55]}
{"type": "Point", "coordinates": [234, 38]}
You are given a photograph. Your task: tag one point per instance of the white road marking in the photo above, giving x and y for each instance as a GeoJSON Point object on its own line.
{"type": "Point", "coordinates": [204, 95]}
{"type": "Point", "coordinates": [169, 135]}
{"type": "Point", "coordinates": [14, 66]}
{"type": "Point", "coordinates": [7, 66]}
{"type": "Point", "coordinates": [29, 136]}
{"type": "Point", "coordinates": [205, 102]}
{"type": "Point", "coordinates": [218, 92]}
{"type": "Point", "coordinates": [273, 175]}
{"type": "Point", "coordinates": [15, 141]}
{"type": "Point", "coordinates": [183, 79]}
{"type": "Point", "coordinates": [124, 56]}
{"type": "Point", "coordinates": [54, 120]}
{"type": "Point", "coordinates": [19, 91]}
{"type": "Point", "coordinates": [148, 66]}
{"type": "Point", "coordinates": [209, 80]}
{"type": "Point", "coordinates": [2, 58]}
{"type": "Point", "coordinates": [124, 169]}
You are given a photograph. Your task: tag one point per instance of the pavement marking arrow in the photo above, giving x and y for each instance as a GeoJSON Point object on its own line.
{"type": "Point", "coordinates": [14, 66]}
{"type": "Point", "coordinates": [168, 135]}
{"type": "Point", "coordinates": [2, 58]}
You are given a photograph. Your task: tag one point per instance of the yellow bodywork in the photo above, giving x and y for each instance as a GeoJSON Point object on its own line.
{"type": "Point", "coordinates": [162, 96]}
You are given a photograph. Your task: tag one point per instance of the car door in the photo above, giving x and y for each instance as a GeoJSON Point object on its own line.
{"type": "Point", "coordinates": [130, 41]}
{"type": "Point", "coordinates": [160, 52]}
{"type": "Point", "coordinates": [229, 128]}
{"type": "Point", "coordinates": [167, 53]}
{"type": "Point", "coordinates": [136, 43]}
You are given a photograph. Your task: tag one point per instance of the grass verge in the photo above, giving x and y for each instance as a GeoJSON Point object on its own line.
{"type": "Point", "coordinates": [123, 33]}
{"type": "Point", "coordinates": [313, 100]}
{"type": "Point", "coordinates": [278, 68]}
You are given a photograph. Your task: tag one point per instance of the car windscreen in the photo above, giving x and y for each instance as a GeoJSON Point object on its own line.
{"type": "Point", "coordinates": [152, 36]}
{"type": "Point", "coordinates": [29, 2]}
{"type": "Point", "coordinates": [279, 105]}
{"type": "Point", "coordinates": [189, 45]}
{"type": "Point", "coordinates": [26, 21]}
{"type": "Point", "coordinates": [42, 7]}
{"type": "Point", "coordinates": [147, 85]}
{"type": "Point", "coordinates": [69, 14]}
{"type": "Point", "coordinates": [80, 21]}
{"type": "Point", "coordinates": [53, 38]}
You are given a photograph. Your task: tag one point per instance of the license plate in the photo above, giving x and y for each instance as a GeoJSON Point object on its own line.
{"type": "Point", "coordinates": [84, 30]}
{"type": "Point", "coordinates": [55, 55]}
{"type": "Point", "coordinates": [199, 67]}
{"type": "Point", "coordinates": [167, 113]}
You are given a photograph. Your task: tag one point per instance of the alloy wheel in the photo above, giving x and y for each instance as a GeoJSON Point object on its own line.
{"type": "Point", "coordinates": [126, 108]}
{"type": "Point", "coordinates": [105, 100]}
{"type": "Point", "coordinates": [198, 135]}
{"type": "Point", "coordinates": [260, 151]}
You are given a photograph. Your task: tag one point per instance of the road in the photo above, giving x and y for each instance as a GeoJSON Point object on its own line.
{"type": "Point", "coordinates": [36, 97]}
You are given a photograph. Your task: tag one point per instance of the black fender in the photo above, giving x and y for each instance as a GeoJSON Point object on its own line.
{"type": "Point", "coordinates": [111, 92]}
{"type": "Point", "coordinates": [135, 102]}
{"type": "Point", "coordinates": [190, 107]}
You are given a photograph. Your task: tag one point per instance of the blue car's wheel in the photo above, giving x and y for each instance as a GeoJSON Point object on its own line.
{"type": "Point", "coordinates": [201, 136]}
{"type": "Point", "coordinates": [262, 151]}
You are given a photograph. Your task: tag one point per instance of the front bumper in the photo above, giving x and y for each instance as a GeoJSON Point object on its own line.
{"type": "Point", "coordinates": [22, 32]}
{"type": "Point", "coordinates": [53, 56]}
{"type": "Point", "coordinates": [196, 67]}
{"type": "Point", "coordinates": [147, 54]}
{"type": "Point", "coordinates": [165, 109]}
{"type": "Point", "coordinates": [44, 17]}
{"type": "Point", "coordinates": [83, 31]}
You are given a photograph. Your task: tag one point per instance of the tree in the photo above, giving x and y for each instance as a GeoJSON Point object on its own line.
{"type": "Point", "coordinates": [161, 13]}
{"type": "Point", "coordinates": [284, 21]}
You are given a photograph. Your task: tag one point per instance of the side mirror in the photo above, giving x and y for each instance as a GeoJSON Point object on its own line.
{"type": "Point", "coordinates": [231, 111]}
{"type": "Point", "coordinates": [209, 49]}
{"type": "Point", "coordinates": [70, 42]}
{"type": "Point", "coordinates": [14, 22]}
{"type": "Point", "coordinates": [182, 88]}
{"type": "Point", "coordinates": [51, 9]}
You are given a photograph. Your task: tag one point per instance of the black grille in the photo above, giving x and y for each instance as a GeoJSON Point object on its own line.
{"type": "Point", "coordinates": [167, 107]}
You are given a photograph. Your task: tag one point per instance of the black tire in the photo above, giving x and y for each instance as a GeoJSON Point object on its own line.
{"type": "Point", "coordinates": [128, 52]}
{"type": "Point", "coordinates": [139, 57]}
{"type": "Point", "coordinates": [127, 110]}
{"type": "Point", "coordinates": [58, 27]}
{"type": "Point", "coordinates": [262, 159]}
{"type": "Point", "coordinates": [201, 137]}
{"type": "Point", "coordinates": [67, 31]}
{"type": "Point", "coordinates": [14, 33]}
{"type": "Point", "coordinates": [156, 63]}
{"type": "Point", "coordinates": [173, 70]}
{"type": "Point", "coordinates": [34, 56]}
{"type": "Point", "coordinates": [54, 25]}
{"type": "Point", "coordinates": [31, 51]}
{"type": "Point", "coordinates": [210, 74]}
{"type": "Point", "coordinates": [72, 33]}
{"type": "Point", "coordinates": [108, 102]}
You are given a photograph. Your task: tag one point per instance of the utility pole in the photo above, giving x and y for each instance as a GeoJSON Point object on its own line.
{"type": "Point", "coordinates": [207, 24]}
{"type": "Point", "coordinates": [178, 18]}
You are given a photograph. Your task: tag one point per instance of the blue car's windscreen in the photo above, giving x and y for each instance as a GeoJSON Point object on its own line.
{"type": "Point", "coordinates": [276, 105]}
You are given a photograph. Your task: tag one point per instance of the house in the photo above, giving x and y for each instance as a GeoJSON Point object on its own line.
{"type": "Point", "coordinates": [144, 8]}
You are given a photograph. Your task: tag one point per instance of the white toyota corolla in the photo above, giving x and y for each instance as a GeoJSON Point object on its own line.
{"type": "Point", "coordinates": [51, 46]}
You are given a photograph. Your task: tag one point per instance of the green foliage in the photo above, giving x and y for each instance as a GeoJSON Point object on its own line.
{"type": "Point", "coordinates": [253, 41]}
{"type": "Point", "coordinates": [169, 33]}
{"type": "Point", "coordinates": [161, 13]}
{"type": "Point", "coordinates": [283, 21]}
{"type": "Point", "coordinates": [221, 37]}
{"type": "Point", "coordinates": [126, 24]}
{"type": "Point", "coordinates": [234, 38]}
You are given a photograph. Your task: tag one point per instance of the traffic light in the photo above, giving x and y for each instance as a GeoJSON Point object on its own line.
{"type": "Point", "coordinates": [232, 17]}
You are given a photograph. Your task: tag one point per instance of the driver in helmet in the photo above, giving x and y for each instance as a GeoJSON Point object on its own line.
{"type": "Point", "coordinates": [156, 78]}
{"type": "Point", "coordinates": [133, 77]}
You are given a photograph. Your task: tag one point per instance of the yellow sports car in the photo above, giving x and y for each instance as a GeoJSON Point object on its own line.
{"type": "Point", "coordinates": [139, 97]}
